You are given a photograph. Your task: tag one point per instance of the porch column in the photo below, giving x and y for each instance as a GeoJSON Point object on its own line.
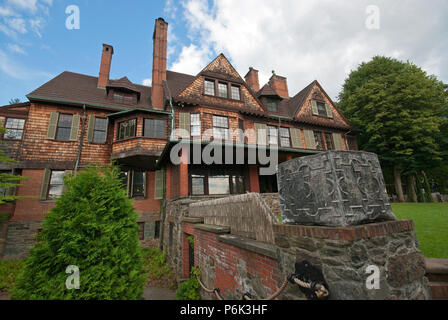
{"type": "Point", "coordinates": [183, 174]}
{"type": "Point", "coordinates": [253, 178]}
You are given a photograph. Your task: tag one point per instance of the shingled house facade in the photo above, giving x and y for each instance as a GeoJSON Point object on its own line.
{"type": "Point", "coordinates": [76, 120]}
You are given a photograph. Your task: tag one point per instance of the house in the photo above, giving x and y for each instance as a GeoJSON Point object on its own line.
{"type": "Point", "coordinates": [75, 120]}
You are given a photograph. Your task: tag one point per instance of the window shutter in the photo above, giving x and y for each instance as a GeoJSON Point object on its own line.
{"type": "Point", "coordinates": [328, 109]}
{"type": "Point", "coordinates": [67, 173]}
{"type": "Point", "coordinates": [262, 139]}
{"type": "Point", "coordinates": [75, 127]}
{"type": "Point", "coordinates": [338, 144]}
{"type": "Point", "coordinates": [52, 126]}
{"type": "Point", "coordinates": [309, 139]}
{"type": "Point", "coordinates": [314, 107]}
{"type": "Point", "coordinates": [107, 126]}
{"type": "Point", "coordinates": [296, 138]}
{"type": "Point", "coordinates": [184, 122]}
{"type": "Point", "coordinates": [158, 188]}
{"type": "Point", "coordinates": [90, 128]}
{"type": "Point", "coordinates": [45, 183]}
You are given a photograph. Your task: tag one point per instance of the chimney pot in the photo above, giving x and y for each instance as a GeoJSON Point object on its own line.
{"type": "Point", "coordinates": [279, 84]}
{"type": "Point", "coordinates": [106, 60]}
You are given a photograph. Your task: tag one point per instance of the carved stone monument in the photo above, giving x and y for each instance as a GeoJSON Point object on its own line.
{"type": "Point", "coordinates": [334, 188]}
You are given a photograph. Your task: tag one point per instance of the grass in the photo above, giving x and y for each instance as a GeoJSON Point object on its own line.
{"type": "Point", "coordinates": [431, 225]}
{"type": "Point", "coordinates": [158, 272]}
{"type": "Point", "coordinates": [8, 274]}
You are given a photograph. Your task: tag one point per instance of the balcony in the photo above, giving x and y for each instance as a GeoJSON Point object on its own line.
{"type": "Point", "coordinates": [138, 152]}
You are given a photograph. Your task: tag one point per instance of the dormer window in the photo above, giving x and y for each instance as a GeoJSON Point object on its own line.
{"type": "Point", "coordinates": [222, 90]}
{"type": "Point", "coordinates": [120, 97]}
{"type": "Point", "coordinates": [209, 87]}
{"type": "Point", "coordinates": [272, 105]}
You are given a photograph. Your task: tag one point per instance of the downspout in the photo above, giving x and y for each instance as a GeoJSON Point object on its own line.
{"type": "Point", "coordinates": [82, 139]}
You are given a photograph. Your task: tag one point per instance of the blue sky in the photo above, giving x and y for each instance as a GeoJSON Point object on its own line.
{"type": "Point", "coordinates": [302, 40]}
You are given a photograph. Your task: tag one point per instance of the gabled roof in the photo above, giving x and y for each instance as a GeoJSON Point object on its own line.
{"type": "Point", "coordinates": [78, 88]}
{"type": "Point", "coordinates": [122, 83]}
{"type": "Point", "coordinates": [267, 90]}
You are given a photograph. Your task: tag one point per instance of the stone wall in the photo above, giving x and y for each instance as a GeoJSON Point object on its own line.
{"type": "Point", "coordinates": [237, 265]}
{"type": "Point", "coordinates": [343, 254]}
{"type": "Point", "coordinates": [20, 238]}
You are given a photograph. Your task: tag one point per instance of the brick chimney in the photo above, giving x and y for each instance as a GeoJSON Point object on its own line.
{"type": "Point", "coordinates": [159, 62]}
{"type": "Point", "coordinates": [278, 83]}
{"type": "Point", "coordinates": [252, 79]}
{"type": "Point", "coordinates": [106, 60]}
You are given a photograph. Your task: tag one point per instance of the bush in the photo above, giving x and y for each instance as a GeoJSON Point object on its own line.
{"type": "Point", "coordinates": [8, 274]}
{"type": "Point", "coordinates": [189, 290]}
{"type": "Point", "coordinates": [155, 263]}
{"type": "Point", "coordinates": [93, 226]}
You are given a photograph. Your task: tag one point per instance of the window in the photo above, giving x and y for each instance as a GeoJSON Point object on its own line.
{"type": "Point", "coordinates": [154, 128]}
{"type": "Point", "coordinates": [273, 135]}
{"type": "Point", "coordinates": [138, 184]}
{"type": "Point", "coordinates": [220, 127]}
{"type": "Point", "coordinates": [134, 182]}
{"type": "Point", "coordinates": [216, 181]}
{"type": "Point", "coordinates": [123, 98]}
{"type": "Point", "coordinates": [141, 230]}
{"type": "Point", "coordinates": [272, 105]}
{"type": "Point", "coordinates": [235, 90]}
{"type": "Point", "coordinates": [56, 185]}
{"type": "Point", "coordinates": [197, 184]}
{"type": "Point", "coordinates": [285, 140]}
{"type": "Point", "coordinates": [218, 184]}
{"type": "Point", "coordinates": [322, 111]}
{"type": "Point", "coordinates": [14, 128]}
{"type": "Point", "coordinates": [127, 129]}
{"type": "Point", "coordinates": [99, 131]}
{"type": "Point", "coordinates": [64, 127]}
{"type": "Point", "coordinates": [209, 87]}
{"type": "Point", "coordinates": [222, 90]}
{"type": "Point", "coordinates": [319, 140]}
{"type": "Point", "coordinates": [329, 141]}
{"type": "Point", "coordinates": [195, 125]}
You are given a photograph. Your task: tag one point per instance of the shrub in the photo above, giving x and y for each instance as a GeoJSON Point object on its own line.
{"type": "Point", "coordinates": [189, 290]}
{"type": "Point", "coordinates": [93, 226]}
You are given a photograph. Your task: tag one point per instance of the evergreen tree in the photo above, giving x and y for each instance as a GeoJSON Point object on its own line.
{"type": "Point", "coordinates": [397, 106]}
{"type": "Point", "coordinates": [93, 226]}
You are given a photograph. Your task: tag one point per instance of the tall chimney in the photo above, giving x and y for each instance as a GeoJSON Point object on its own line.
{"type": "Point", "coordinates": [252, 79]}
{"type": "Point", "coordinates": [159, 62]}
{"type": "Point", "coordinates": [278, 83]}
{"type": "Point", "coordinates": [106, 60]}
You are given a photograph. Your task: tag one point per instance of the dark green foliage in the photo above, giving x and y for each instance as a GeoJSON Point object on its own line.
{"type": "Point", "coordinates": [189, 290]}
{"type": "Point", "coordinates": [399, 109]}
{"type": "Point", "coordinates": [93, 226]}
{"type": "Point", "coordinates": [8, 274]}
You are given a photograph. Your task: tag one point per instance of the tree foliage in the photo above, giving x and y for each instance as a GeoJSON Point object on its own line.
{"type": "Point", "coordinates": [93, 226]}
{"type": "Point", "coordinates": [401, 112]}
{"type": "Point", "coordinates": [398, 108]}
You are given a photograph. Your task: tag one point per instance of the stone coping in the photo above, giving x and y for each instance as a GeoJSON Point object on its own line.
{"type": "Point", "coordinates": [436, 266]}
{"type": "Point", "coordinates": [193, 219]}
{"type": "Point", "coordinates": [212, 228]}
{"type": "Point", "coordinates": [265, 249]}
{"type": "Point", "coordinates": [350, 233]}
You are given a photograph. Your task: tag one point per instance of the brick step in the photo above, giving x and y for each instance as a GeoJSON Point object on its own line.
{"type": "Point", "coordinates": [439, 290]}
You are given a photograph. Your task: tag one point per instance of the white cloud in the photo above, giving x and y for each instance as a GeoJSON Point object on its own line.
{"type": "Point", "coordinates": [37, 26]}
{"type": "Point", "coordinates": [147, 82]}
{"type": "Point", "coordinates": [24, 4]}
{"type": "Point", "coordinates": [17, 24]}
{"type": "Point", "coordinates": [15, 70]}
{"type": "Point", "coordinates": [6, 12]}
{"type": "Point", "coordinates": [307, 40]}
{"type": "Point", "coordinates": [15, 48]}
{"type": "Point", "coordinates": [170, 9]}
{"type": "Point", "coordinates": [192, 59]}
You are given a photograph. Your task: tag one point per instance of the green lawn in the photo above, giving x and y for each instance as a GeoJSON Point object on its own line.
{"type": "Point", "coordinates": [431, 225]}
